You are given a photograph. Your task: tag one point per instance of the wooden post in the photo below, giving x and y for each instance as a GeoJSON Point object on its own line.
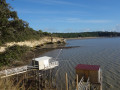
{"type": "Point", "coordinates": [50, 78]}
{"type": "Point", "coordinates": [25, 78]}
{"type": "Point", "coordinates": [77, 81]}
{"type": "Point", "coordinates": [66, 78]}
{"type": "Point", "coordinates": [17, 78]}
{"type": "Point", "coordinates": [24, 81]}
{"type": "Point", "coordinates": [27, 75]}
{"type": "Point", "coordinates": [56, 82]}
{"type": "Point", "coordinates": [61, 86]}
{"type": "Point", "coordinates": [34, 61]}
{"type": "Point", "coordinates": [45, 75]}
{"type": "Point", "coordinates": [38, 80]}
{"type": "Point", "coordinates": [42, 78]}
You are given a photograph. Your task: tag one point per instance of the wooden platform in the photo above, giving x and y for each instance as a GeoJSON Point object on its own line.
{"type": "Point", "coordinates": [13, 71]}
{"type": "Point", "coordinates": [23, 69]}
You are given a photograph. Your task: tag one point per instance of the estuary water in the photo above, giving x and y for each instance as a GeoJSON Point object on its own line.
{"type": "Point", "coordinates": [101, 51]}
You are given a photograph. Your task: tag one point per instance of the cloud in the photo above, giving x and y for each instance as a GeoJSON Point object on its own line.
{"type": "Point", "coordinates": [27, 11]}
{"type": "Point", "coordinates": [62, 19]}
{"type": "Point", "coordinates": [66, 30]}
{"type": "Point", "coordinates": [50, 30]}
{"type": "Point", "coordinates": [75, 20]}
{"type": "Point", "coordinates": [86, 30]}
{"type": "Point", "coordinates": [116, 28]}
{"type": "Point", "coordinates": [56, 2]}
{"type": "Point", "coordinates": [77, 30]}
{"type": "Point", "coordinates": [69, 30]}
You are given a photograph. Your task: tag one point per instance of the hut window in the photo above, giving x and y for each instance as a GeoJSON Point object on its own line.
{"type": "Point", "coordinates": [36, 62]}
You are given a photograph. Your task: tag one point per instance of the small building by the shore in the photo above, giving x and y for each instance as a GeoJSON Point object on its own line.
{"type": "Point", "coordinates": [92, 72]}
{"type": "Point", "coordinates": [45, 62]}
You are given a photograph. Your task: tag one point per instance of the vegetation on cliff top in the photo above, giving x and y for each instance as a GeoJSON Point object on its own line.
{"type": "Point", "coordinates": [12, 28]}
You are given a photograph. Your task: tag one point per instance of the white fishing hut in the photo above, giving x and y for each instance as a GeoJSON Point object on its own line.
{"type": "Point", "coordinates": [45, 62]}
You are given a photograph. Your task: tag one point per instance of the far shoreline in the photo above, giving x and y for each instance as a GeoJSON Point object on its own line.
{"type": "Point", "coordinates": [81, 38]}
{"type": "Point", "coordinates": [84, 38]}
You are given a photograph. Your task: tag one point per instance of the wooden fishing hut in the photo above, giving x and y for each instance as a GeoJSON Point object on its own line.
{"type": "Point", "coordinates": [44, 63]}
{"type": "Point", "coordinates": [91, 72]}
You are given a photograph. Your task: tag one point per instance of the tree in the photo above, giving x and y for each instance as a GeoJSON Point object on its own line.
{"type": "Point", "coordinates": [14, 29]}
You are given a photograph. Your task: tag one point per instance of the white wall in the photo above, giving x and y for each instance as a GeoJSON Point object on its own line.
{"type": "Point", "coordinates": [99, 75]}
{"type": "Point", "coordinates": [43, 64]}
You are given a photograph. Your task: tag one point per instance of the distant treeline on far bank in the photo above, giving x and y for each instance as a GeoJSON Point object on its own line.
{"type": "Point", "coordinates": [88, 34]}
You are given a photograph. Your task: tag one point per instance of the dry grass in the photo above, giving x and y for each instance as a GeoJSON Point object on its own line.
{"type": "Point", "coordinates": [9, 84]}
{"type": "Point", "coordinates": [26, 81]}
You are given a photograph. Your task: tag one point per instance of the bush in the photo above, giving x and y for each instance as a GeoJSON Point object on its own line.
{"type": "Point", "coordinates": [12, 54]}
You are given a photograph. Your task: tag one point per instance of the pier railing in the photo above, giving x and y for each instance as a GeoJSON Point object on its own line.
{"type": "Point", "coordinates": [52, 64]}
{"type": "Point", "coordinates": [13, 71]}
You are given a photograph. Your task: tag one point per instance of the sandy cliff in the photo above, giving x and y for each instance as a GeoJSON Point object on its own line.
{"type": "Point", "coordinates": [32, 43]}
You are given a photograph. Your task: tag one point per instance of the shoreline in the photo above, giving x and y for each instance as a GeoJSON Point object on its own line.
{"type": "Point", "coordinates": [33, 53]}
{"type": "Point", "coordinates": [32, 43]}
{"type": "Point", "coordinates": [37, 52]}
{"type": "Point", "coordinates": [81, 38]}
{"type": "Point", "coordinates": [84, 38]}
{"type": "Point", "coordinates": [41, 49]}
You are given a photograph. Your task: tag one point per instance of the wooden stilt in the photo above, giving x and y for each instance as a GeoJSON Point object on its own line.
{"type": "Point", "coordinates": [61, 86]}
{"type": "Point", "coordinates": [45, 78]}
{"type": "Point", "coordinates": [50, 79]}
{"type": "Point", "coordinates": [42, 78]}
{"type": "Point", "coordinates": [56, 83]}
{"type": "Point", "coordinates": [66, 81]}
{"type": "Point", "coordinates": [77, 81]}
{"type": "Point", "coordinates": [25, 77]}
{"type": "Point", "coordinates": [38, 80]}
{"type": "Point", "coordinates": [17, 78]}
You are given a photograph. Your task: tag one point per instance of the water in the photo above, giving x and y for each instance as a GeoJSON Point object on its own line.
{"type": "Point", "coordinates": [102, 51]}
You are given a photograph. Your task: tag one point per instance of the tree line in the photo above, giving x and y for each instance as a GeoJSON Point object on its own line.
{"type": "Point", "coordinates": [88, 34]}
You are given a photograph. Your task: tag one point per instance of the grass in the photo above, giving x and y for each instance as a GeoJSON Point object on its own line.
{"type": "Point", "coordinates": [8, 84]}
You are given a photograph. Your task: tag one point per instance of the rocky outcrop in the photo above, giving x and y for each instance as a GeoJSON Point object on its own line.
{"type": "Point", "coordinates": [33, 43]}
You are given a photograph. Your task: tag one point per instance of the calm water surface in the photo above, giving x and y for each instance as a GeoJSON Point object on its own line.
{"type": "Point", "coordinates": [102, 51]}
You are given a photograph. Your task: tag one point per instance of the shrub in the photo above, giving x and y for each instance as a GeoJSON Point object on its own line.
{"type": "Point", "coordinates": [12, 54]}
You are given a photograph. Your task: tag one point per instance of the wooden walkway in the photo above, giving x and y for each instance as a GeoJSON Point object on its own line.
{"type": "Point", "coordinates": [13, 71]}
{"type": "Point", "coordinates": [23, 69]}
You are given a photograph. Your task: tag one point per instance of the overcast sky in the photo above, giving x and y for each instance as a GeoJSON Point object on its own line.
{"type": "Point", "coordinates": [69, 15]}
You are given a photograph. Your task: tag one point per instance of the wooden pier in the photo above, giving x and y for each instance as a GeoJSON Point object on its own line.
{"type": "Point", "coordinates": [88, 77]}
{"type": "Point", "coordinates": [42, 63]}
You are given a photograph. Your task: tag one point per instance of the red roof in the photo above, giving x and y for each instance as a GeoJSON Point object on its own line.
{"type": "Point", "coordinates": [87, 67]}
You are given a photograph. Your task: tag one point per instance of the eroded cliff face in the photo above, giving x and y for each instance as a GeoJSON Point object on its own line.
{"type": "Point", "coordinates": [32, 43]}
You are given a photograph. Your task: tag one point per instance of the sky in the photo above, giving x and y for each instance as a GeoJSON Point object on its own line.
{"type": "Point", "coordinates": [69, 15]}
